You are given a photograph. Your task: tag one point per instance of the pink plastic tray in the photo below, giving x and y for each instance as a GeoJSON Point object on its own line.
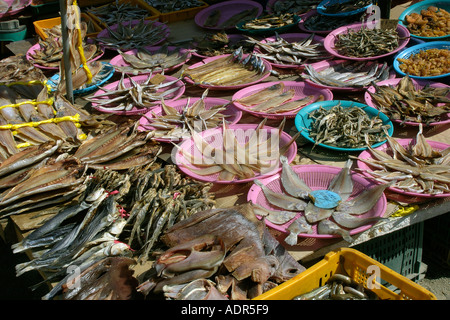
{"type": "Point", "coordinates": [37, 47]}
{"type": "Point", "coordinates": [242, 85]}
{"type": "Point", "coordinates": [418, 84]}
{"type": "Point", "coordinates": [234, 114]}
{"type": "Point", "coordinates": [139, 79]}
{"type": "Point", "coordinates": [316, 177]}
{"type": "Point", "coordinates": [24, 4]}
{"type": "Point", "coordinates": [330, 41]}
{"type": "Point", "coordinates": [322, 65]}
{"type": "Point", "coordinates": [407, 143]}
{"type": "Point", "coordinates": [302, 90]}
{"type": "Point", "coordinates": [291, 37]}
{"type": "Point", "coordinates": [214, 138]}
{"type": "Point", "coordinates": [227, 10]}
{"type": "Point", "coordinates": [118, 61]}
{"type": "Point", "coordinates": [105, 32]}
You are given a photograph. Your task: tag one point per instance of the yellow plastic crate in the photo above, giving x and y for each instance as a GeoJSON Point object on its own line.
{"type": "Point", "coordinates": [40, 25]}
{"type": "Point", "coordinates": [355, 264]}
{"type": "Point", "coordinates": [153, 14]}
{"type": "Point", "coordinates": [180, 15]}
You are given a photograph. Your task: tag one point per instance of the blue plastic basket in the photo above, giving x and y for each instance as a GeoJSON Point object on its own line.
{"type": "Point", "coordinates": [104, 75]}
{"type": "Point", "coordinates": [303, 122]}
{"type": "Point", "coordinates": [405, 54]}
{"type": "Point", "coordinates": [321, 8]}
{"type": "Point", "coordinates": [443, 4]}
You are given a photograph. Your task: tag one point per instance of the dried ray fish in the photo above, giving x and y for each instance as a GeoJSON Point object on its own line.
{"type": "Point", "coordinates": [127, 36]}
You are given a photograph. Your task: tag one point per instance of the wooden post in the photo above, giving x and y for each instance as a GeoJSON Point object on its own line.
{"type": "Point", "coordinates": [66, 53]}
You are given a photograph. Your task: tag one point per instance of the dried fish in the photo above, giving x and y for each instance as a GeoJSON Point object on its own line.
{"type": "Point", "coordinates": [348, 74]}
{"type": "Point", "coordinates": [367, 42]}
{"type": "Point", "coordinates": [231, 70]}
{"type": "Point", "coordinates": [140, 96]}
{"type": "Point", "coordinates": [117, 10]}
{"type": "Point", "coordinates": [284, 52]}
{"type": "Point", "coordinates": [269, 21]}
{"type": "Point", "coordinates": [295, 6]}
{"type": "Point", "coordinates": [417, 168]}
{"type": "Point", "coordinates": [128, 36]}
{"type": "Point", "coordinates": [345, 127]}
{"type": "Point", "coordinates": [345, 6]}
{"type": "Point", "coordinates": [430, 22]}
{"type": "Point", "coordinates": [143, 61]}
{"type": "Point", "coordinates": [406, 103]}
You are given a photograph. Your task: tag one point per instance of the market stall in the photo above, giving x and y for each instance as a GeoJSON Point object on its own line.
{"type": "Point", "coordinates": [134, 171]}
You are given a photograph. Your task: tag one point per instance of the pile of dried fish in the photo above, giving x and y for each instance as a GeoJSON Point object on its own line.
{"type": "Point", "coordinates": [229, 244]}
{"type": "Point", "coordinates": [79, 234]}
{"type": "Point", "coordinates": [366, 42]}
{"type": "Point", "coordinates": [144, 61]}
{"type": "Point", "coordinates": [230, 70]}
{"type": "Point", "coordinates": [115, 11]}
{"type": "Point", "coordinates": [233, 160]}
{"type": "Point", "coordinates": [282, 51]}
{"type": "Point", "coordinates": [415, 168]}
{"type": "Point", "coordinates": [37, 177]}
{"type": "Point", "coordinates": [296, 6]}
{"type": "Point", "coordinates": [215, 44]}
{"type": "Point", "coordinates": [18, 68]}
{"type": "Point", "coordinates": [128, 36]}
{"type": "Point", "coordinates": [214, 17]}
{"type": "Point", "coordinates": [38, 121]}
{"type": "Point", "coordinates": [339, 287]}
{"type": "Point", "coordinates": [345, 6]}
{"type": "Point", "coordinates": [176, 125]}
{"type": "Point", "coordinates": [270, 21]}
{"type": "Point", "coordinates": [174, 5]}
{"type": "Point", "coordinates": [349, 127]}
{"type": "Point", "coordinates": [158, 198]}
{"type": "Point", "coordinates": [348, 74]}
{"type": "Point", "coordinates": [118, 148]}
{"type": "Point", "coordinates": [426, 63]}
{"type": "Point", "coordinates": [430, 22]}
{"type": "Point", "coordinates": [275, 99]}
{"type": "Point", "coordinates": [51, 50]}
{"type": "Point", "coordinates": [107, 279]}
{"type": "Point", "coordinates": [337, 219]}
{"type": "Point", "coordinates": [405, 102]}
{"type": "Point", "coordinates": [140, 96]}
{"type": "Point", "coordinates": [319, 22]}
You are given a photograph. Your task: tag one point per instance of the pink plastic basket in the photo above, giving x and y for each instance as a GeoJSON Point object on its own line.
{"type": "Point", "coordinates": [233, 113]}
{"type": "Point", "coordinates": [317, 177]}
{"type": "Point", "coordinates": [418, 84]}
{"type": "Point", "coordinates": [302, 90]}
{"type": "Point", "coordinates": [214, 138]}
